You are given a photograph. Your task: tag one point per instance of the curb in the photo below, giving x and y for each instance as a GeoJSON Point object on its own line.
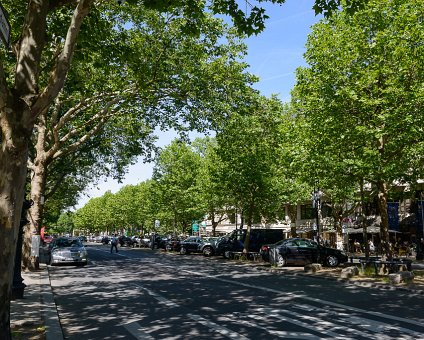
{"type": "Point", "coordinates": [348, 281]}
{"type": "Point", "coordinates": [49, 309]}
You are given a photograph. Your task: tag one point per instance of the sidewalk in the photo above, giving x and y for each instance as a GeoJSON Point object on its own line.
{"type": "Point", "coordinates": [35, 316]}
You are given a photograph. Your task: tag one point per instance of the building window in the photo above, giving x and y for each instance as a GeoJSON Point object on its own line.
{"type": "Point", "coordinates": [307, 212]}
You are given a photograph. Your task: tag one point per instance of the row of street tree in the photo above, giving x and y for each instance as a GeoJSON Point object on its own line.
{"type": "Point", "coordinates": [355, 119]}
{"type": "Point", "coordinates": [245, 168]}
{"type": "Point", "coordinates": [85, 83]}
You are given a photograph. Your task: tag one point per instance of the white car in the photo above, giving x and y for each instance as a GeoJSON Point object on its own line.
{"type": "Point", "coordinates": [68, 250]}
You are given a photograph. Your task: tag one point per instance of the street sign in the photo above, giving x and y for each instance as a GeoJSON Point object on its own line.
{"type": "Point", "coordinates": [4, 27]}
{"type": "Point", "coordinates": [195, 227]}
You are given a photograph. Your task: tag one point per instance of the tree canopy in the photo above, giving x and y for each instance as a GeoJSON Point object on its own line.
{"type": "Point", "coordinates": [361, 97]}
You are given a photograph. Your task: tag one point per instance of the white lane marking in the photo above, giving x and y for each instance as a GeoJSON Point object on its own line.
{"type": "Point", "coordinates": [333, 304]}
{"type": "Point", "coordinates": [218, 328]}
{"type": "Point", "coordinates": [280, 334]}
{"type": "Point", "coordinates": [317, 326]}
{"type": "Point", "coordinates": [137, 331]}
{"type": "Point", "coordinates": [364, 323]}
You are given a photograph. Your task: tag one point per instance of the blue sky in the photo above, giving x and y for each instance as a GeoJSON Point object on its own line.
{"type": "Point", "coordinates": [273, 56]}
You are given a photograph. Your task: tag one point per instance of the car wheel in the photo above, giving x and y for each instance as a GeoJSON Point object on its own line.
{"type": "Point", "coordinates": [183, 251]}
{"type": "Point", "coordinates": [207, 251]}
{"type": "Point", "coordinates": [168, 247]}
{"type": "Point", "coordinates": [227, 254]}
{"type": "Point", "coordinates": [281, 260]}
{"type": "Point", "coordinates": [332, 261]}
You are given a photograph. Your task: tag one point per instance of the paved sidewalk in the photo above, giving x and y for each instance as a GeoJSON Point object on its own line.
{"type": "Point", "coordinates": [35, 316]}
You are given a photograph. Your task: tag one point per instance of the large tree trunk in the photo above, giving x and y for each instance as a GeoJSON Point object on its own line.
{"type": "Point", "coordinates": [384, 227]}
{"type": "Point", "coordinates": [13, 161]}
{"type": "Point", "coordinates": [38, 182]}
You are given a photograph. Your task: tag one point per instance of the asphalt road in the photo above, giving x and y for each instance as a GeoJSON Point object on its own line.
{"type": "Point", "coordinates": [144, 294]}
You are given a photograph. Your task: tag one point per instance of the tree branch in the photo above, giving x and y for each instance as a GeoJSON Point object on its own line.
{"type": "Point", "coordinates": [58, 74]}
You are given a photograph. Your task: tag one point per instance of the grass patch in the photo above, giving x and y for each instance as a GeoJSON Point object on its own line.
{"type": "Point", "coordinates": [368, 271]}
{"type": "Point", "coordinates": [29, 332]}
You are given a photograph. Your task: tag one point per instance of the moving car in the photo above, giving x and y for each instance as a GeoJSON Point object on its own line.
{"type": "Point", "coordinates": [67, 250]}
{"type": "Point", "coordinates": [301, 251]}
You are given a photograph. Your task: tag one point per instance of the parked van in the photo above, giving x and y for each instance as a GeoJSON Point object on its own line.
{"type": "Point", "coordinates": [234, 241]}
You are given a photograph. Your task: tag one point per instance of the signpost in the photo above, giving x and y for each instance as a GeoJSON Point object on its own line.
{"type": "Point", "coordinates": [4, 27]}
{"type": "Point", "coordinates": [195, 227]}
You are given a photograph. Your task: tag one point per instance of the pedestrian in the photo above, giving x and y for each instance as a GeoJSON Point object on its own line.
{"type": "Point", "coordinates": [114, 244]}
{"type": "Point", "coordinates": [357, 246]}
{"type": "Point", "coordinates": [371, 246]}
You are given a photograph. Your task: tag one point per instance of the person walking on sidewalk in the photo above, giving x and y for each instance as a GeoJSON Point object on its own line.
{"type": "Point", "coordinates": [114, 244]}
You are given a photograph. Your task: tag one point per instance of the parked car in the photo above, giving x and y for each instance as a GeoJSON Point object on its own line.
{"type": "Point", "coordinates": [47, 239]}
{"type": "Point", "coordinates": [67, 250]}
{"type": "Point", "coordinates": [126, 241]}
{"type": "Point", "coordinates": [145, 242]}
{"type": "Point", "coordinates": [208, 247]}
{"type": "Point", "coordinates": [264, 251]}
{"type": "Point", "coordinates": [105, 240]}
{"type": "Point", "coordinates": [173, 244]}
{"type": "Point", "coordinates": [234, 241]}
{"type": "Point", "coordinates": [196, 244]}
{"type": "Point", "coordinates": [191, 244]}
{"type": "Point", "coordinates": [301, 251]}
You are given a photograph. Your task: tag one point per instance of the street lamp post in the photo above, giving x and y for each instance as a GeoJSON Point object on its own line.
{"type": "Point", "coordinates": [316, 203]}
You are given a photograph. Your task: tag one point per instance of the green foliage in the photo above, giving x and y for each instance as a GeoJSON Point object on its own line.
{"type": "Point", "coordinates": [175, 174]}
{"type": "Point", "coordinates": [251, 151]}
{"type": "Point", "coordinates": [360, 96]}
{"type": "Point", "coordinates": [64, 224]}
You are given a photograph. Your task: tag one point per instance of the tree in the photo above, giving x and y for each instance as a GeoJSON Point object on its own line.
{"type": "Point", "coordinates": [175, 174]}
{"type": "Point", "coordinates": [129, 100]}
{"type": "Point", "coordinates": [211, 193]}
{"type": "Point", "coordinates": [250, 170]}
{"type": "Point", "coordinates": [64, 224]}
{"type": "Point", "coordinates": [361, 96]}
{"type": "Point", "coordinates": [96, 216]}
{"type": "Point", "coordinates": [45, 34]}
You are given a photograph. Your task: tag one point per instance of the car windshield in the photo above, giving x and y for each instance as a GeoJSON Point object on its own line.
{"type": "Point", "coordinates": [63, 242]}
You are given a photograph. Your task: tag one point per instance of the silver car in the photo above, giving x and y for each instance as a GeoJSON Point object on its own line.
{"type": "Point", "coordinates": [68, 250]}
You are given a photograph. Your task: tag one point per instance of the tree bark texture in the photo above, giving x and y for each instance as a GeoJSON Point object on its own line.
{"type": "Point", "coordinates": [13, 160]}
{"type": "Point", "coordinates": [38, 182]}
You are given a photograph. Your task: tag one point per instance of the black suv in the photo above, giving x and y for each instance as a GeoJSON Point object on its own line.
{"type": "Point", "coordinates": [234, 241]}
{"type": "Point", "coordinates": [196, 244]}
